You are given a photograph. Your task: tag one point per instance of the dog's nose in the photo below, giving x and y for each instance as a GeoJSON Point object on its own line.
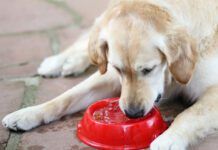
{"type": "Point", "coordinates": [133, 112]}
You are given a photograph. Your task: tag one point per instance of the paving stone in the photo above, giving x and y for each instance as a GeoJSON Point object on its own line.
{"type": "Point", "coordinates": [57, 135]}
{"type": "Point", "coordinates": [25, 15]}
{"type": "Point", "coordinates": [21, 55]}
{"type": "Point", "coordinates": [50, 88]}
{"type": "Point", "coordinates": [68, 36]}
{"type": "Point", "coordinates": [209, 143]}
{"type": "Point", "coordinates": [11, 97]}
{"type": "Point", "coordinates": [25, 70]}
{"type": "Point", "coordinates": [2, 146]}
{"type": "Point", "coordinates": [23, 48]}
{"type": "Point", "coordinates": [89, 10]}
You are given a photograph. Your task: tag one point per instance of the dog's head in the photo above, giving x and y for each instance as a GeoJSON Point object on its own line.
{"type": "Point", "coordinates": [141, 43]}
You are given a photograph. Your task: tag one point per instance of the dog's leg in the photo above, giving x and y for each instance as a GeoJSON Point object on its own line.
{"type": "Point", "coordinates": [195, 122]}
{"type": "Point", "coordinates": [73, 60]}
{"type": "Point", "coordinates": [79, 97]}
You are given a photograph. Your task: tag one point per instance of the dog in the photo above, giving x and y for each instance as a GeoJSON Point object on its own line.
{"type": "Point", "coordinates": [144, 49]}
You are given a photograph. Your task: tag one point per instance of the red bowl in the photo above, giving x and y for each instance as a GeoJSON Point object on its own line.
{"type": "Point", "coordinates": [104, 126]}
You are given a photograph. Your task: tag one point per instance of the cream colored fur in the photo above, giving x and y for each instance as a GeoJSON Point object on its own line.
{"type": "Point", "coordinates": [195, 22]}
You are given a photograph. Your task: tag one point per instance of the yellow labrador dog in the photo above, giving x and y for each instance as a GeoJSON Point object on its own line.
{"type": "Point", "coordinates": [144, 49]}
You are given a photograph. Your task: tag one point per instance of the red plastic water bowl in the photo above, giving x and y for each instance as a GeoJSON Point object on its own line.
{"type": "Point", "coordinates": [104, 126]}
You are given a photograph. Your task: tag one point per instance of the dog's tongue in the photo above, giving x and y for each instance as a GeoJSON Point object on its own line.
{"type": "Point", "coordinates": [111, 114]}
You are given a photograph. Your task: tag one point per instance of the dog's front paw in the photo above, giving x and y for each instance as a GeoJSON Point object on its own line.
{"type": "Point", "coordinates": [55, 66]}
{"type": "Point", "coordinates": [168, 141]}
{"type": "Point", "coordinates": [52, 66]}
{"type": "Point", "coordinates": [24, 119]}
{"type": "Point", "coordinates": [75, 64]}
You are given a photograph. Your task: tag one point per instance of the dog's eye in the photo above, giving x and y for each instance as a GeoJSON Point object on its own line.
{"type": "Point", "coordinates": [146, 71]}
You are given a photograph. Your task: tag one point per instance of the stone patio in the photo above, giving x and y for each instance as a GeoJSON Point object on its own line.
{"type": "Point", "coordinates": [29, 31]}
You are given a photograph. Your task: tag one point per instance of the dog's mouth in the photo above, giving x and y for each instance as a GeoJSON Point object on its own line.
{"type": "Point", "coordinates": [158, 98]}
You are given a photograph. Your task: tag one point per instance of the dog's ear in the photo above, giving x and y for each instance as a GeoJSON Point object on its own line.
{"type": "Point", "coordinates": [98, 51]}
{"type": "Point", "coordinates": [180, 52]}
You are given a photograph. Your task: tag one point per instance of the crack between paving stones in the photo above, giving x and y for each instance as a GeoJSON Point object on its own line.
{"type": "Point", "coordinates": [42, 31]}
{"type": "Point", "coordinates": [54, 41]}
{"type": "Point", "coordinates": [18, 65]}
{"type": "Point", "coordinates": [62, 5]}
{"type": "Point", "coordinates": [14, 65]}
{"type": "Point", "coordinates": [31, 88]}
{"type": "Point", "coordinates": [5, 142]}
